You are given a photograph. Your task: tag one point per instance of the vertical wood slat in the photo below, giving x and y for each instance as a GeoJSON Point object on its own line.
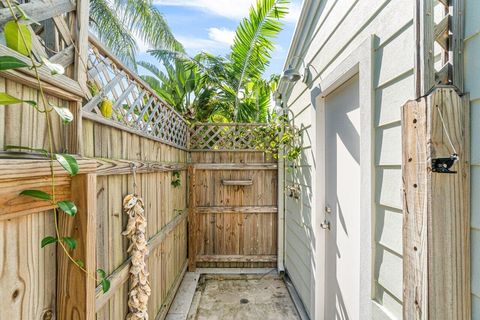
{"type": "Point", "coordinates": [76, 289]}
{"type": "Point", "coordinates": [192, 220]}
{"type": "Point", "coordinates": [81, 37]}
{"type": "Point", "coordinates": [436, 244]}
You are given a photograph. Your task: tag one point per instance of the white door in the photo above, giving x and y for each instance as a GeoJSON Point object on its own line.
{"type": "Point", "coordinates": [342, 199]}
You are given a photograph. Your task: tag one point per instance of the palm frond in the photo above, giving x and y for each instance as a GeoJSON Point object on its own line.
{"type": "Point", "coordinates": [146, 21]}
{"type": "Point", "coordinates": [112, 32]}
{"type": "Point", "coordinates": [253, 45]}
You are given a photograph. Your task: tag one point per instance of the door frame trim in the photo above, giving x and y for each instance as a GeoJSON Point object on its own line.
{"type": "Point", "coordinates": [361, 62]}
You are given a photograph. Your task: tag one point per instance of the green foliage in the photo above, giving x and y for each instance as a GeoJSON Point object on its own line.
{"type": "Point", "coordinates": [207, 86]}
{"type": "Point", "coordinates": [48, 240]}
{"type": "Point", "coordinates": [65, 114]}
{"type": "Point", "coordinates": [70, 242]}
{"type": "Point", "coordinates": [103, 280]}
{"type": "Point", "coordinates": [279, 133]}
{"type": "Point", "coordinates": [118, 22]}
{"type": "Point", "coordinates": [6, 99]}
{"type": "Point", "coordinates": [68, 207]}
{"type": "Point", "coordinates": [38, 194]}
{"type": "Point", "coordinates": [8, 62]}
{"type": "Point", "coordinates": [68, 162]}
{"type": "Point", "coordinates": [18, 37]}
{"type": "Point", "coordinates": [176, 182]}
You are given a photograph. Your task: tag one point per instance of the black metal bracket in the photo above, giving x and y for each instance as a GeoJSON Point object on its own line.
{"type": "Point", "coordinates": [443, 165]}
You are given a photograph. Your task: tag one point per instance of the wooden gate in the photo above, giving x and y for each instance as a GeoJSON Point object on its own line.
{"type": "Point", "coordinates": [233, 207]}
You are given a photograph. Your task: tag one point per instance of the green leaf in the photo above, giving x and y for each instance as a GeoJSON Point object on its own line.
{"type": "Point", "coordinates": [71, 243]}
{"type": "Point", "coordinates": [36, 194]}
{"type": "Point", "coordinates": [8, 62]}
{"type": "Point", "coordinates": [102, 273]}
{"type": "Point", "coordinates": [54, 67]}
{"type": "Point", "coordinates": [48, 240]}
{"type": "Point", "coordinates": [80, 263]}
{"type": "Point", "coordinates": [68, 162]}
{"type": "Point", "coordinates": [18, 37]}
{"type": "Point", "coordinates": [68, 207]}
{"type": "Point", "coordinates": [64, 113]}
{"type": "Point", "coordinates": [105, 285]}
{"type": "Point", "coordinates": [6, 99]}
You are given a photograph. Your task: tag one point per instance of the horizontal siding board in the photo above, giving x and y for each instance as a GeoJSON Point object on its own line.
{"type": "Point", "coordinates": [472, 22]}
{"type": "Point", "coordinates": [389, 271]}
{"type": "Point", "coordinates": [392, 308]}
{"type": "Point", "coordinates": [475, 211]}
{"type": "Point", "coordinates": [388, 225]}
{"type": "Point", "coordinates": [388, 186]}
{"type": "Point", "coordinates": [389, 64]}
{"type": "Point", "coordinates": [472, 63]}
{"type": "Point", "coordinates": [475, 129]}
{"type": "Point", "coordinates": [389, 99]}
{"type": "Point", "coordinates": [388, 144]}
{"type": "Point", "coordinates": [475, 260]}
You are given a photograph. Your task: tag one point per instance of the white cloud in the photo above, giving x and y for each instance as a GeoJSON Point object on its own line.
{"type": "Point", "coordinates": [221, 35]}
{"type": "Point", "coordinates": [235, 10]}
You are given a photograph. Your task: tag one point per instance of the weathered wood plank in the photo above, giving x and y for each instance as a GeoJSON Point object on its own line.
{"type": "Point", "coordinates": [76, 288]}
{"type": "Point", "coordinates": [115, 167]}
{"type": "Point", "coordinates": [240, 209]}
{"type": "Point", "coordinates": [40, 10]}
{"type": "Point", "coordinates": [192, 219]}
{"type": "Point", "coordinates": [436, 245]}
{"type": "Point", "coordinates": [25, 168]}
{"type": "Point", "coordinates": [237, 258]}
{"type": "Point", "coordinates": [236, 166]}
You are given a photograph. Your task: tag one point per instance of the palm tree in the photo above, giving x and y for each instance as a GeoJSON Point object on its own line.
{"type": "Point", "coordinates": [118, 22]}
{"type": "Point", "coordinates": [236, 81]}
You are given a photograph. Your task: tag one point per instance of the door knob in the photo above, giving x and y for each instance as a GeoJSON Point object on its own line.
{"type": "Point", "coordinates": [325, 225]}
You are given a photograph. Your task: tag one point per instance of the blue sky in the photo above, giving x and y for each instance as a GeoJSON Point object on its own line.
{"type": "Point", "coordinates": [209, 25]}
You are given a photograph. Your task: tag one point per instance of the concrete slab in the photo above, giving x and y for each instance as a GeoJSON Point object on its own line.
{"type": "Point", "coordinates": [264, 298]}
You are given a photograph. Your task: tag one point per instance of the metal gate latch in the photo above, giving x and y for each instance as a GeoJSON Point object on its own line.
{"type": "Point", "coordinates": [443, 165]}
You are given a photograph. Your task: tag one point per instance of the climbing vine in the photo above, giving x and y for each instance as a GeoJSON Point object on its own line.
{"type": "Point", "coordinates": [18, 37]}
{"type": "Point", "coordinates": [270, 138]}
{"type": "Point", "coordinates": [176, 182]}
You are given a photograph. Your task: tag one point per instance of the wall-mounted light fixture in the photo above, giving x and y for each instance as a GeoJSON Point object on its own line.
{"type": "Point", "coordinates": [291, 74]}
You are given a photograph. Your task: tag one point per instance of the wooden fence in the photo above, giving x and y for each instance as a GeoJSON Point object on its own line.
{"type": "Point", "coordinates": [146, 136]}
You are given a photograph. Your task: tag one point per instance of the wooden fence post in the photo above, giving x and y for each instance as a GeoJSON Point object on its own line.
{"type": "Point", "coordinates": [192, 221]}
{"type": "Point", "coordinates": [76, 289]}
{"type": "Point", "coordinates": [436, 210]}
{"type": "Point", "coordinates": [81, 39]}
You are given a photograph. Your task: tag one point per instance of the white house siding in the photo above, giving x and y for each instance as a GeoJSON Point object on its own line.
{"type": "Point", "coordinates": [472, 85]}
{"type": "Point", "coordinates": [344, 25]}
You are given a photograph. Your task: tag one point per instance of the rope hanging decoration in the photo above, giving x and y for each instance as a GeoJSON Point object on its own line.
{"type": "Point", "coordinates": [135, 232]}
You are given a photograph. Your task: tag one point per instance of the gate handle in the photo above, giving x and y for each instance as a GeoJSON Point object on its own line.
{"type": "Point", "coordinates": [227, 182]}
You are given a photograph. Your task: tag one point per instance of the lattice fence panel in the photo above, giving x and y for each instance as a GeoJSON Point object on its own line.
{"type": "Point", "coordinates": [135, 105]}
{"type": "Point", "coordinates": [225, 136]}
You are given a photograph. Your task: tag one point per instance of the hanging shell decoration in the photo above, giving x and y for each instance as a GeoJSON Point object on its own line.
{"type": "Point", "coordinates": [135, 232]}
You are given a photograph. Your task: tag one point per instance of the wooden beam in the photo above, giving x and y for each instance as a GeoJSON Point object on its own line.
{"type": "Point", "coordinates": [13, 205]}
{"type": "Point", "coordinates": [237, 258]}
{"type": "Point", "coordinates": [81, 39]}
{"type": "Point", "coordinates": [192, 220]}
{"type": "Point", "coordinates": [120, 166]}
{"type": "Point", "coordinates": [236, 166]}
{"type": "Point", "coordinates": [40, 10]}
{"type": "Point", "coordinates": [243, 209]}
{"type": "Point", "coordinates": [228, 182]}
{"type": "Point", "coordinates": [60, 81]}
{"type": "Point", "coordinates": [28, 168]}
{"type": "Point", "coordinates": [436, 210]}
{"type": "Point", "coordinates": [76, 289]}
